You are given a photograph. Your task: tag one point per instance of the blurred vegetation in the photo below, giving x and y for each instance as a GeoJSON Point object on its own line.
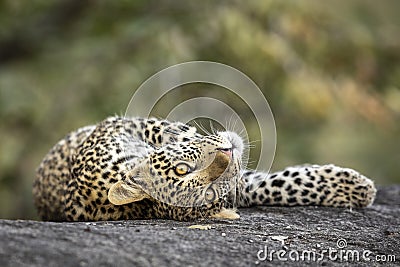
{"type": "Point", "coordinates": [330, 72]}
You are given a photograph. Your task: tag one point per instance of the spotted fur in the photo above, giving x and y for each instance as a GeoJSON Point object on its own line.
{"type": "Point", "coordinates": [326, 185]}
{"type": "Point", "coordinates": [131, 168]}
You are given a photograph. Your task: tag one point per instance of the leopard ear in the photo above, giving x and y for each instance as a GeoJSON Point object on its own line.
{"type": "Point", "coordinates": [122, 193]}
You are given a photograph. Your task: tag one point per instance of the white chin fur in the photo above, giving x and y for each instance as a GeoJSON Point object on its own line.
{"type": "Point", "coordinates": [234, 139]}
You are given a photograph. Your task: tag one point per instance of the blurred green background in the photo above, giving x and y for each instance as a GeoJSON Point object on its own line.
{"type": "Point", "coordinates": [330, 72]}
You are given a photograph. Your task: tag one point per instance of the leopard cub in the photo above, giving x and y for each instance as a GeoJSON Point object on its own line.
{"type": "Point", "coordinates": [136, 168]}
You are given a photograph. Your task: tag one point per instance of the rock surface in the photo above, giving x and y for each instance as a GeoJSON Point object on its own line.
{"type": "Point", "coordinates": [361, 235]}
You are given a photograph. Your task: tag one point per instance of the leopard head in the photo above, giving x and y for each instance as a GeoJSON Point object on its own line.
{"type": "Point", "coordinates": [186, 180]}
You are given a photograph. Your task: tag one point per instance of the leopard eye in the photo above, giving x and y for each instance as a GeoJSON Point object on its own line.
{"type": "Point", "coordinates": [210, 195]}
{"type": "Point", "coordinates": [182, 169]}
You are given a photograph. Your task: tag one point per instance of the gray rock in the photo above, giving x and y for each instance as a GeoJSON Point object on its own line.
{"type": "Point", "coordinates": [359, 234]}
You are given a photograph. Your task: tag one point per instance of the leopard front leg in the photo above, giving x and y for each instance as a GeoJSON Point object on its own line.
{"type": "Point", "coordinates": [326, 185]}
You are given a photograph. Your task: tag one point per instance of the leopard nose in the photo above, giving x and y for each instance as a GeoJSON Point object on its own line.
{"type": "Point", "coordinates": [226, 151]}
